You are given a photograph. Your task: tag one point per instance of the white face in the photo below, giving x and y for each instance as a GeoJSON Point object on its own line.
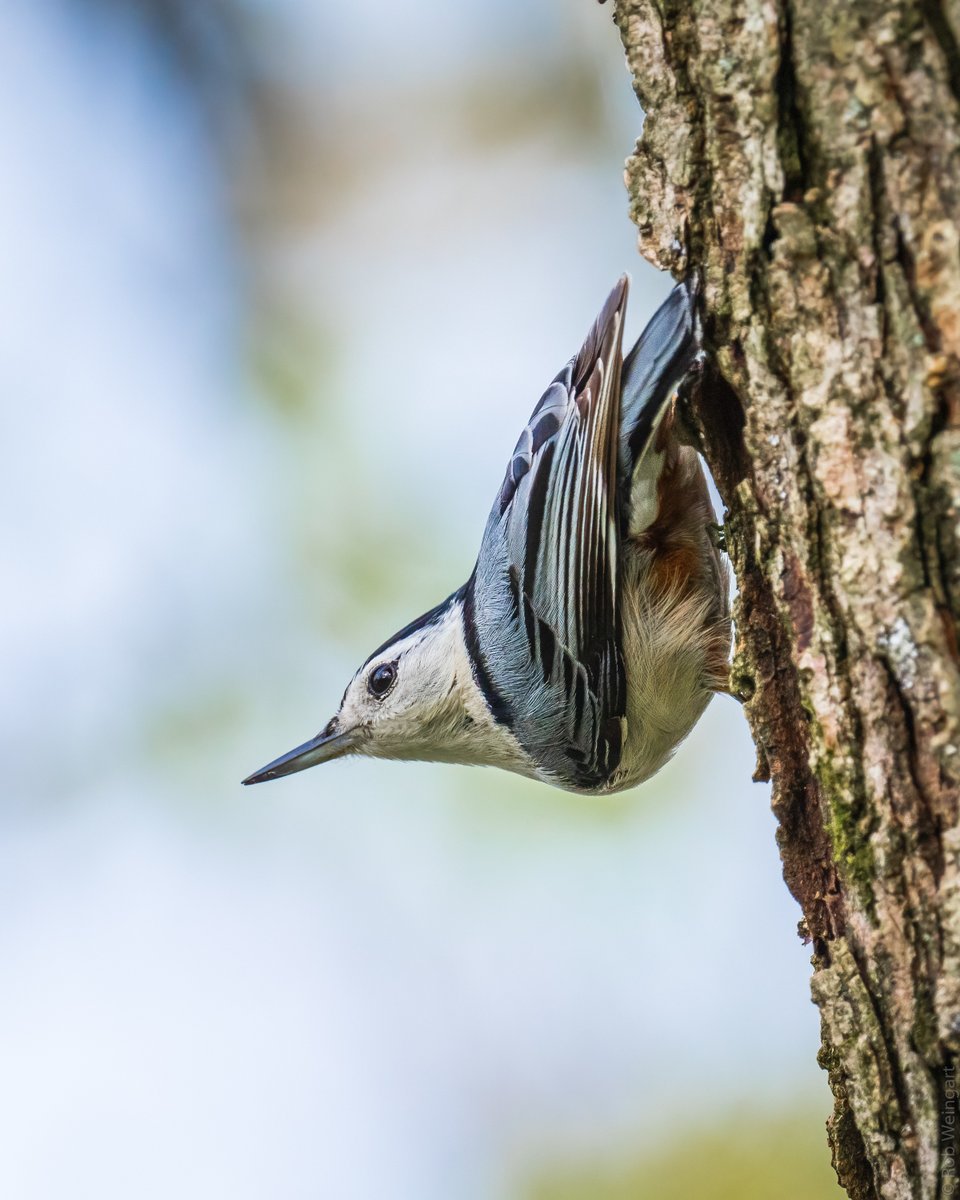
{"type": "Point", "coordinates": [413, 699]}
{"type": "Point", "coordinates": [406, 702]}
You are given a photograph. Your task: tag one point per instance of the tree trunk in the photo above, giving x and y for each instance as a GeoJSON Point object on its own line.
{"type": "Point", "coordinates": [802, 159]}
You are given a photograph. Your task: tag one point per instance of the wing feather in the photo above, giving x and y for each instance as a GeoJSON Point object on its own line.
{"type": "Point", "coordinates": [547, 581]}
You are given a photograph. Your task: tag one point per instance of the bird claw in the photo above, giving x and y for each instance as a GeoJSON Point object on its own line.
{"type": "Point", "coordinates": [717, 535]}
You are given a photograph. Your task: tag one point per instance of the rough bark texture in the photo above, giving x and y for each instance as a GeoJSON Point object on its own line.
{"type": "Point", "coordinates": [802, 159]}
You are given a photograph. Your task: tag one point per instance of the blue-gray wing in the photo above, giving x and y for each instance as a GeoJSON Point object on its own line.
{"type": "Point", "coordinates": [542, 609]}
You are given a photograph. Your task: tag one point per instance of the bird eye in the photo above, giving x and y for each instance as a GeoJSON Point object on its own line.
{"type": "Point", "coordinates": [381, 679]}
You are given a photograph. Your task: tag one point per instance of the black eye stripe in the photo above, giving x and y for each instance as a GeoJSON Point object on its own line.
{"type": "Point", "coordinates": [381, 679]}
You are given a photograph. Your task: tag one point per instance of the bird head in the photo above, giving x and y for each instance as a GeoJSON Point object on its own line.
{"type": "Point", "coordinates": [408, 700]}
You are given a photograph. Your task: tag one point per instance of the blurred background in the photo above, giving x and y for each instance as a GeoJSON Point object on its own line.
{"type": "Point", "coordinates": [281, 283]}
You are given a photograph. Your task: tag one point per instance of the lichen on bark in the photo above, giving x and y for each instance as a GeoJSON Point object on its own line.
{"type": "Point", "coordinates": [803, 159]}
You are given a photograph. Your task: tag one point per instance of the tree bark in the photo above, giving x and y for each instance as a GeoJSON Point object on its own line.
{"type": "Point", "coordinates": [802, 159]}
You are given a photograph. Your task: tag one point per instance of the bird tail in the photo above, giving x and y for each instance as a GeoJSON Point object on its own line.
{"type": "Point", "coordinates": [652, 371]}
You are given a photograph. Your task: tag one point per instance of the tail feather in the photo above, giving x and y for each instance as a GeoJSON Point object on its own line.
{"type": "Point", "coordinates": [653, 369]}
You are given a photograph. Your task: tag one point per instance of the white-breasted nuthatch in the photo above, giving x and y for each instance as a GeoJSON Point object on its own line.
{"type": "Point", "coordinates": [595, 625]}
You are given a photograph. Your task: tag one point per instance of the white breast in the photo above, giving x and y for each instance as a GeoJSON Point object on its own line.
{"type": "Point", "coordinates": [666, 678]}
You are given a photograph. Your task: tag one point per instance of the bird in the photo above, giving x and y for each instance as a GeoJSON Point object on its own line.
{"type": "Point", "coordinates": [595, 625]}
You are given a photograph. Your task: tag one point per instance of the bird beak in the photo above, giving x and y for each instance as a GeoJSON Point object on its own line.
{"type": "Point", "coordinates": [331, 742]}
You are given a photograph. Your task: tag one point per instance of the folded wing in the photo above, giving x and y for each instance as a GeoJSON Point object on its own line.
{"type": "Point", "coordinates": [542, 608]}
